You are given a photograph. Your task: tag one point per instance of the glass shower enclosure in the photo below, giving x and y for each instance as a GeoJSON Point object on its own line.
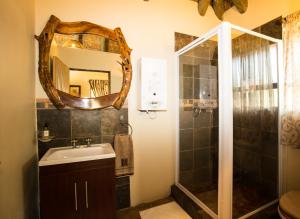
{"type": "Point", "coordinates": [228, 157]}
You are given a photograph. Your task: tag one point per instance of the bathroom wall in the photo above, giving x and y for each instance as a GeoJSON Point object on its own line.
{"type": "Point", "coordinates": [149, 30]}
{"type": "Point", "coordinates": [18, 160]}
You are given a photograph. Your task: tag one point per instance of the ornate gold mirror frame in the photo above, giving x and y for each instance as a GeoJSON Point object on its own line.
{"type": "Point", "coordinates": [59, 98]}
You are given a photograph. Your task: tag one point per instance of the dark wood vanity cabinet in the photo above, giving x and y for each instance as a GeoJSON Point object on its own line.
{"type": "Point", "coordinates": [83, 190]}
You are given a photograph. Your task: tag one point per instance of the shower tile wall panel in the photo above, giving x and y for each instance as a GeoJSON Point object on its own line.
{"type": "Point", "coordinates": [256, 150]}
{"type": "Point", "coordinates": [198, 134]}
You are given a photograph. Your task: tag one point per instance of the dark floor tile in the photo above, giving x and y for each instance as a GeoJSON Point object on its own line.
{"type": "Point", "coordinates": [85, 123]}
{"type": "Point", "coordinates": [187, 204]}
{"type": "Point", "coordinates": [59, 122]}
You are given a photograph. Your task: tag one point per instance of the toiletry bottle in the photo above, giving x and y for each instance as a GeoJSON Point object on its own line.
{"type": "Point", "coordinates": [46, 130]}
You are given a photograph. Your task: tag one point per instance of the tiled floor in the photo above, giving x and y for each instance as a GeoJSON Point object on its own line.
{"type": "Point", "coordinates": [245, 200]}
{"type": "Point", "coordinates": [133, 213]}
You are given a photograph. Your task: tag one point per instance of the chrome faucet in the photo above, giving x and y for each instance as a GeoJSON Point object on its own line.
{"type": "Point", "coordinates": [73, 142]}
{"type": "Point", "coordinates": [88, 142]}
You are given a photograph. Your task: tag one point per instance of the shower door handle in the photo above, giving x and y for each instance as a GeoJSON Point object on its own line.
{"type": "Point", "coordinates": [86, 195]}
{"type": "Point", "coordinates": [75, 195]}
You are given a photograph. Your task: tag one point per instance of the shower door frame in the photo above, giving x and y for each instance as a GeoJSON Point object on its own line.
{"type": "Point", "coordinates": [225, 103]}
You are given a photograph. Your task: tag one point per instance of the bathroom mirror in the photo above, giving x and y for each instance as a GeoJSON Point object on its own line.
{"type": "Point", "coordinates": [84, 65]}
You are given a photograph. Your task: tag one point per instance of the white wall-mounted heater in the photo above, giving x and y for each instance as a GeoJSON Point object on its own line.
{"type": "Point", "coordinates": [153, 84]}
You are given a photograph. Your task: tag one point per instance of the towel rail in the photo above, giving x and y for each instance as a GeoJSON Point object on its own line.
{"type": "Point", "coordinates": [128, 125]}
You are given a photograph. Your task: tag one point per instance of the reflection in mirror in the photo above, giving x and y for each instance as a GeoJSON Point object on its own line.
{"type": "Point", "coordinates": [85, 65]}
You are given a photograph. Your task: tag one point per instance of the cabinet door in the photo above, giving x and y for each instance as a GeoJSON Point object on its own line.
{"type": "Point", "coordinates": [99, 186]}
{"type": "Point", "coordinates": [59, 197]}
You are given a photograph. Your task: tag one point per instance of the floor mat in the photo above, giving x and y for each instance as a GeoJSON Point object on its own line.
{"type": "Point", "coordinates": [166, 211]}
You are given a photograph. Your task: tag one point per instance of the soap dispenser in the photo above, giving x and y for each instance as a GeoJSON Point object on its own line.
{"type": "Point", "coordinates": [45, 133]}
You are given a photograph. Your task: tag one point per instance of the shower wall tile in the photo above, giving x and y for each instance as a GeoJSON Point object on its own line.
{"type": "Point", "coordinates": [269, 169]}
{"type": "Point", "coordinates": [107, 139]}
{"type": "Point", "coordinates": [204, 71]}
{"type": "Point", "coordinates": [214, 140]}
{"type": "Point", "coordinates": [187, 88]}
{"type": "Point", "coordinates": [186, 160]}
{"type": "Point", "coordinates": [269, 189]}
{"type": "Point", "coordinates": [188, 70]}
{"type": "Point", "coordinates": [67, 124]}
{"type": "Point", "coordinates": [186, 118]}
{"type": "Point", "coordinates": [250, 166]}
{"type": "Point", "coordinates": [182, 40]}
{"type": "Point", "coordinates": [202, 137]}
{"type": "Point", "coordinates": [123, 192]}
{"type": "Point", "coordinates": [215, 117]}
{"type": "Point", "coordinates": [269, 144]}
{"type": "Point", "coordinates": [202, 158]}
{"type": "Point", "coordinates": [59, 122]}
{"type": "Point", "coordinates": [204, 119]}
{"type": "Point", "coordinates": [186, 178]}
{"type": "Point", "coordinates": [85, 123]}
{"type": "Point", "coordinates": [111, 123]}
{"type": "Point", "coordinates": [205, 88]}
{"type": "Point", "coordinates": [202, 177]}
{"type": "Point", "coordinates": [186, 139]}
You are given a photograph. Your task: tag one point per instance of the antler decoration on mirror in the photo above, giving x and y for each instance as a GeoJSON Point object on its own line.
{"type": "Point", "coordinates": [221, 6]}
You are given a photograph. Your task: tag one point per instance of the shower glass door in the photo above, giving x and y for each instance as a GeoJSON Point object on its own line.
{"type": "Point", "coordinates": [255, 122]}
{"type": "Point", "coordinates": [228, 157]}
{"type": "Point", "coordinates": [198, 122]}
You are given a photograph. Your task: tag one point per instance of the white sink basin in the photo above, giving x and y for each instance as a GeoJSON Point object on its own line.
{"type": "Point", "coordinates": [69, 154]}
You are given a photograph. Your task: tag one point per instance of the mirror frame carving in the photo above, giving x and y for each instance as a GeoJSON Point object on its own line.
{"type": "Point", "coordinates": [59, 98]}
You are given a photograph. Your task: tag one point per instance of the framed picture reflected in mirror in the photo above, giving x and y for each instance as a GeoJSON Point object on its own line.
{"type": "Point", "coordinates": [75, 90]}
